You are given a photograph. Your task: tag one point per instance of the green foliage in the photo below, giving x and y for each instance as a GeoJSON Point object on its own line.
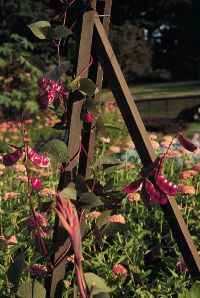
{"type": "Point", "coordinates": [98, 283]}
{"type": "Point", "coordinates": [56, 150]}
{"type": "Point", "coordinates": [194, 291]}
{"type": "Point", "coordinates": [18, 85]}
{"type": "Point", "coordinates": [37, 29]}
{"type": "Point", "coordinates": [31, 289]}
{"type": "Point", "coordinates": [132, 50]}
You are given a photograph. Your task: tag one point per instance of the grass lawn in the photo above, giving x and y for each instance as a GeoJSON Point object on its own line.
{"type": "Point", "coordinates": [160, 90]}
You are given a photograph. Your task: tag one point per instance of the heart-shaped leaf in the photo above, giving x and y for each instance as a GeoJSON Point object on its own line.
{"type": "Point", "coordinates": [60, 32]}
{"type": "Point", "coordinates": [87, 87]}
{"type": "Point", "coordinates": [56, 150]}
{"type": "Point", "coordinates": [195, 290]}
{"type": "Point", "coordinates": [36, 29]}
{"type": "Point", "coordinates": [31, 289]}
{"type": "Point", "coordinates": [100, 285]}
{"type": "Point", "coordinates": [68, 193]}
{"type": "Point", "coordinates": [90, 200]}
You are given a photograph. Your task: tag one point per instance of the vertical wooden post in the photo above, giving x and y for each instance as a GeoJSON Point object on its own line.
{"type": "Point", "coordinates": [96, 75]}
{"type": "Point", "coordinates": [84, 34]}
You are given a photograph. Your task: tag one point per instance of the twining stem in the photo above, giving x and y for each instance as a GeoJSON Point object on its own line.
{"type": "Point", "coordinates": [30, 199]}
{"type": "Point", "coordinates": [61, 257]}
{"type": "Point", "coordinates": [90, 162]}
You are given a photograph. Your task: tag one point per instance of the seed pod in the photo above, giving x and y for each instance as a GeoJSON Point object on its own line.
{"type": "Point", "coordinates": [186, 143]}
{"type": "Point", "coordinates": [154, 194]}
{"type": "Point", "coordinates": [36, 183]}
{"type": "Point", "coordinates": [87, 117]}
{"type": "Point", "coordinates": [133, 186]}
{"type": "Point", "coordinates": [42, 82]}
{"type": "Point", "coordinates": [56, 86]}
{"type": "Point", "coordinates": [157, 170]}
{"type": "Point", "coordinates": [11, 158]}
{"type": "Point", "coordinates": [39, 160]}
{"type": "Point", "coordinates": [166, 186]}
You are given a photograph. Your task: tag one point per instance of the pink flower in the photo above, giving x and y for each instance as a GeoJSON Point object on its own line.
{"type": "Point", "coordinates": [165, 144]}
{"type": "Point", "coordinates": [117, 218]}
{"type": "Point", "coordinates": [41, 220]}
{"type": "Point", "coordinates": [23, 178]}
{"type": "Point", "coordinates": [29, 121]}
{"type": "Point", "coordinates": [168, 139]}
{"type": "Point", "coordinates": [119, 270]}
{"type": "Point", "coordinates": [19, 168]}
{"type": "Point", "coordinates": [94, 214]}
{"type": "Point", "coordinates": [133, 196]}
{"type": "Point", "coordinates": [12, 240]}
{"type": "Point", "coordinates": [105, 140]}
{"type": "Point", "coordinates": [187, 174]}
{"type": "Point", "coordinates": [15, 137]}
{"type": "Point", "coordinates": [155, 145]}
{"type": "Point", "coordinates": [186, 189]}
{"type": "Point", "coordinates": [173, 154]}
{"type": "Point", "coordinates": [114, 149]}
{"type": "Point", "coordinates": [36, 269]}
{"type": "Point", "coordinates": [9, 196]}
{"type": "Point", "coordinates": [46, 192]}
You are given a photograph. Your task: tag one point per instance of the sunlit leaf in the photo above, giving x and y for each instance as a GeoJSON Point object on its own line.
{"type": "Point", "coordinates": [36, 28]}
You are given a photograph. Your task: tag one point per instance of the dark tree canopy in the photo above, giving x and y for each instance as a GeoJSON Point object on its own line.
{"type": "Point", "coordinates": [169, 45]}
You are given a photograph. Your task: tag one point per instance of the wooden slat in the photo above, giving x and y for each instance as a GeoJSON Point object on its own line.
{"type": "Point", "coordinates": [96, 75]}
{"type": "Point", "coordinates": [84, 34]}
{"type": "Point", "coordinates": [140, 138]}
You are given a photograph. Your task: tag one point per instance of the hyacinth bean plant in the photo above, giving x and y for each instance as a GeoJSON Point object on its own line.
{"type": "Point", "coordinates": [72, 206]}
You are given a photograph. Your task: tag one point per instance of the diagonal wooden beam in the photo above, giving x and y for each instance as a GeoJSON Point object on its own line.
{"type": "Point", "coordinates": [143, 146]}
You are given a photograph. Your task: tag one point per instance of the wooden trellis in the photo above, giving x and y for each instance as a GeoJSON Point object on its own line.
{"type": "Point", "coordinates": [92, 40]}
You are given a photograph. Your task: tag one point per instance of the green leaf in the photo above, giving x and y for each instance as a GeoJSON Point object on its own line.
{"type": "Point", "coordinates": [100, 285]}
{"type": "Point", "coordinates": [61, 32]}
{"type": "Point", "coordinates": [106, 125]}
{"type": "Point", "coordinates": [29, 289]}
{"type": "Point", "coordinates": [101, 295]}
{"type": "Point", "coordinates": [90, 200]}
{"type": "Point", "coordinates": [9, 231]}
{"type": "Point", "coordinates": [56, 150]}
{"type": "Point", "coordinates": [87, 87]}
{"type": "Point", "coordinates": [73, 85]}
{"type": "Point", "coordinates": [36, 29]}
{"type": "Point", "coordinates": [90, 105]}
{"type": "Point", "coordinates": [69, 193]}
{"type": "Point", "coordinates": [15, 269]}
{"type": "Point", "coordinates": [114, 227]}
{"type": "Point", "coordinates": [195, 290]}
{"type": "Point", "coordinates": [102, 220]}
{"type": "Point", "coordinates": [36, 61]}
